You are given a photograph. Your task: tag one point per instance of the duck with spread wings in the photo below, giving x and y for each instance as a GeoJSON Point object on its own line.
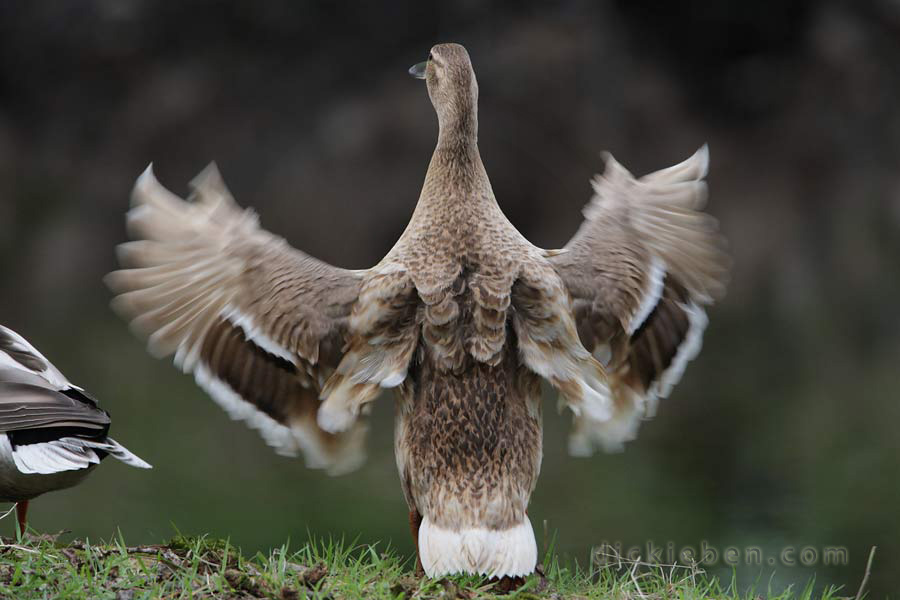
{"type": "Point", "coordinates": [462, 319]}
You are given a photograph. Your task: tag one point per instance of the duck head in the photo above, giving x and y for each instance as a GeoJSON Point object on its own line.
{"type": "Point", "coordinates": [453, 91]}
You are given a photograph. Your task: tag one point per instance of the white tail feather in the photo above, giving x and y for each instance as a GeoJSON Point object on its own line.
{"type": "Point", "coordinates": [492, 552]}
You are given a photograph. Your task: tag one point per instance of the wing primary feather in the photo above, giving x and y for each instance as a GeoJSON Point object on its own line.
{"type": "Point", "coordinates": [640, 269]}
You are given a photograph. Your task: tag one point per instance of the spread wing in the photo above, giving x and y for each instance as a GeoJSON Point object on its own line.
{"type": "Point", "coordinates": [640, 269]}
{"type": "Point", "coordinates": [259, 324]}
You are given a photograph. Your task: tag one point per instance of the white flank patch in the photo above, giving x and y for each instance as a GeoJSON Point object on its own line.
{"type": "Point", "coordinates": [687, 351]}
{"type": "Point", "coordinates": [256, 335]}
{"type": "Point", "coordinates": [495, 553]}
{"type": "Point", "coordinates": [652, 294]}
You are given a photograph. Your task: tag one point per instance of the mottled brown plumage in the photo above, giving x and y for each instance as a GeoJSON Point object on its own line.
{"type": "Point", "coordinates": [463, 316]}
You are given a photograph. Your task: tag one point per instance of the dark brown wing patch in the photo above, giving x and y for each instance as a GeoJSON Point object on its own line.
{"type": "Point", "coordinates": [274, 396]}
{"type": "Point", "coordinates": [272, 384]}
{"type": "Point", "coordinates": [655, 344]}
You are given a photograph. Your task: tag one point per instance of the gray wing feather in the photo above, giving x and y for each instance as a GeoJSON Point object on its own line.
{"type": "Point", "coordinates": [25, 406]}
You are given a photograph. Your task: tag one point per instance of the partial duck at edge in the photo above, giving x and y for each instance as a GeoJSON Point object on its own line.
{"type": "Point", "coordinates": [52, 433]}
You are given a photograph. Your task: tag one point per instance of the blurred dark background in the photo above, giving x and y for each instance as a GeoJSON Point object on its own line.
{"type": "Point", "coordinates": [782, 433]}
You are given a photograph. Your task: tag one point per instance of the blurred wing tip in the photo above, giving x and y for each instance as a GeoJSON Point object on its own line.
{"type": "Point", "coordinates": [702, 157]}
{"type": "Point", "coordinates": [112, 281]}
{"type": "Point", "coordinates": [703, 151]}
{"type": "Point", "coordinates": [585, 439]}
{"type": "Point", "coordinates": [580, 446]}
{"type": "Point", "coordinates": [210, 176]}
{"type": "Point", "coordinates": [125, 256]}
{"type": "Point", "coordinates": [613, 167]}
{"type": "Point", "coordinates": [352, 455]}
{"type": "Point", "coordinates": [145, 185]}
{"type": "Point", "coordinates": [146, 178]}
{"type": "Point", "coordinates": [156, 349]}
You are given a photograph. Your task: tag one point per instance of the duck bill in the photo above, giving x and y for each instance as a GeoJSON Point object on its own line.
{"type": "Point", "coordinates": [418, 70]}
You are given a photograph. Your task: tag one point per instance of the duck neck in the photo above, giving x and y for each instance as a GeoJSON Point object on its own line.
{"type": "Point", "coordinates": [455, 174]}
{"type": "Point", "coordinates": [458, 132]}
{"type": "Point", "coordinates": [456, 163]}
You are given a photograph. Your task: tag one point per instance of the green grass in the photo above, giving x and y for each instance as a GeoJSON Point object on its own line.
{"type": "Point", "coordinates": [42, 567]}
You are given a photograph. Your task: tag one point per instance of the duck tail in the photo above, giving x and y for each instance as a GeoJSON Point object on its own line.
{"type": "Point", "coordinates": [120, 452]}
{"type": "Point", "coordinates": [477, 550]}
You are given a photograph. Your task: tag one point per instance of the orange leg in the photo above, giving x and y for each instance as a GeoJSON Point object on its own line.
{"type": "Point", "coordinates": [415, 521]}
{"type": "Point", "coordinates": [21, 511]}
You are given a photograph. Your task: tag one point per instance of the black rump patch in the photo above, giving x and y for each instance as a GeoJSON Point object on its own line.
{"type": "Point", "coordinates": [82, 396]}
{"type": "Point", "coordinates": [24, 437]}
